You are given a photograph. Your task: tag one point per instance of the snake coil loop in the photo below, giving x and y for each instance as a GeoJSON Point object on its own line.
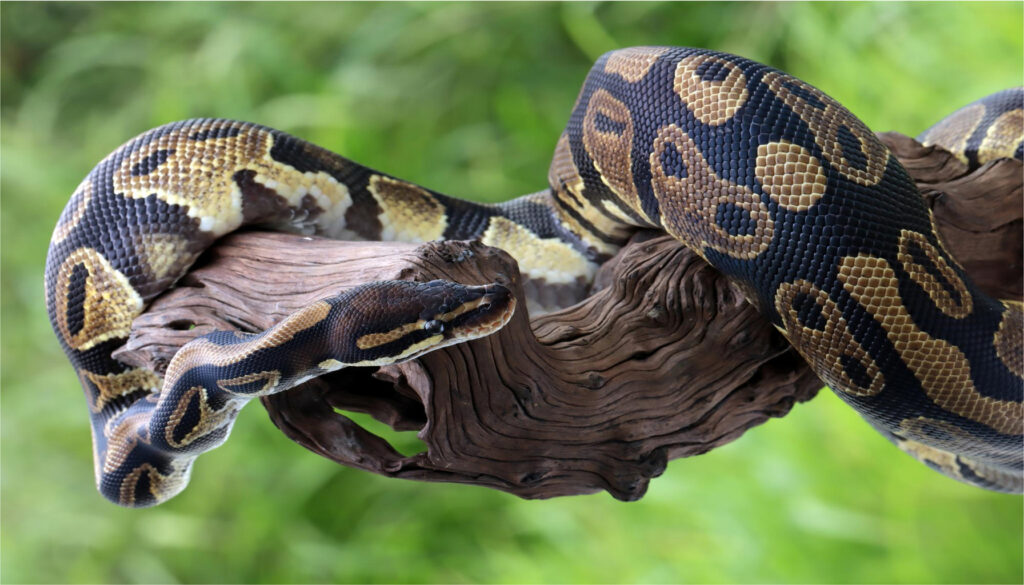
{"type": "Point", "coordinates": [770, 180]}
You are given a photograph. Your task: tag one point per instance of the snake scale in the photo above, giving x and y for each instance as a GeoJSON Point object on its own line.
{"type": "Point", "coordinates": [770, 180]}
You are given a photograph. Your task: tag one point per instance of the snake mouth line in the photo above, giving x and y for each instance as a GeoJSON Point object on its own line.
{"type": "Point", "coordinates": [482, 317]}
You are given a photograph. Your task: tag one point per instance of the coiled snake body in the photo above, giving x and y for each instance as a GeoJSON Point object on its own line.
{"type": "Point", "coordinates": [770, 180]}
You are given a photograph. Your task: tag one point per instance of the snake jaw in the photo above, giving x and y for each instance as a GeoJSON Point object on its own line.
{"type": "Point", "coordinates": [482, 316]}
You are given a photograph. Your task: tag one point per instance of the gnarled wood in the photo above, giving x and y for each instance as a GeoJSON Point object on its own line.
{"type": "Point", "coordinates": [665, 360]}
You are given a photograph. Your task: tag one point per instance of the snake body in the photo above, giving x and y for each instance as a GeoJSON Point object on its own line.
{"type": "Point", "coordinates": [770, 180]}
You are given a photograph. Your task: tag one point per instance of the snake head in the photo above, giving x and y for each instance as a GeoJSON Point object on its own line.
{"type": "Point", "coordinates": [394, 321]}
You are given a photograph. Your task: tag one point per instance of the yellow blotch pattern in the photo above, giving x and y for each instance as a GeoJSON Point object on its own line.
{"type": "Point", "coordinates": [408, 213]}
{"type": "Point", "coordinates": [109, 304]}
{"type": "Point", "coordinates": [713, 102]}
{"type": "Point", "coordinates": [940, 367]}
{"type": "Point", "coordinates": [790, 175]}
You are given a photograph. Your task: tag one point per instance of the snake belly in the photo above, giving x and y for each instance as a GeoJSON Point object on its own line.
{"type": "Point", "coordinates": [770, 180]}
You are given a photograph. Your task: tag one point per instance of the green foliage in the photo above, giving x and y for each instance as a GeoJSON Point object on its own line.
{"type": "Point", "coordinates": [467, 99]}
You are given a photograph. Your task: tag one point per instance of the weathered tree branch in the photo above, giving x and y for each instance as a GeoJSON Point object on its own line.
{"type": "Point", "coordinates": [664, 360]}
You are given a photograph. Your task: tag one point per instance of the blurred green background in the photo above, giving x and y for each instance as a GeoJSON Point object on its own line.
{"type": "Point", "coordinates": [467, 99]}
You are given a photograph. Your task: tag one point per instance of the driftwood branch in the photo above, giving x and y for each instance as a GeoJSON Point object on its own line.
{"type": "Point", "coordinates": [664, 360]}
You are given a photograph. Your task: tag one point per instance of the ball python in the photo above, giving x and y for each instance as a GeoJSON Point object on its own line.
{"type": "Point", "coordinates": [770, 180]}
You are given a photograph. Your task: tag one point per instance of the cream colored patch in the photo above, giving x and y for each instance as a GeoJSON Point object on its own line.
{"type": "Point", "coordinates": [944, 460]}
{"type": "Point", "coordinates": [547, 258]}
{"type": "Point", "coordinates": [942, 369]}
{"type": "Point", "coordinates": [1003, 137]}
{"type": "Point", "coordinates": [612, 208]}
{"type": "Point", "coordinates": [330, 365]}
{"type": "Point", "coordinates": [109, 305]}
{"type": "Point", "coordinates": [331, 197]}
{"type": "Point", "coordinates": [203, 351]}
{"type": "Point", "coordinates": [73, 212]}
{"type": "Point", "coordinates": [712, 102]}
{"type": "Point", "coordinates": [110, 386]}
{"type": "Point", "coordinates": [632, 64]}
{"type": "Point", "coordinates": [164, 255]}
{"type": "Point", "coordinates": [408, 213]}
{"type": "Point", "coordinates": [433, 342]}
{"type": "Point", "coordinates": [270, 379]}
{"type": "Point", "coordinates": [953, 131]}
{"type": "Point", "coordinates": [790, 175]}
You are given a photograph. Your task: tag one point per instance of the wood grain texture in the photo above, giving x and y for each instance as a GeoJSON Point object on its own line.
{"type": "Point", "coordinates": [664, 360]}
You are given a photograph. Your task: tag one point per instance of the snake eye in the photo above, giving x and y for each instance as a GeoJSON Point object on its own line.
{"type": "Point", "coordinates": [433, 327]}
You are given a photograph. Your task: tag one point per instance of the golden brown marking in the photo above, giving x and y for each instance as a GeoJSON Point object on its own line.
{"type": "Point", "coordinates": [563, 174]}
{"type": "Point", "coordinates": [109, 305]}
{"type": "Point", "coordinates": [163, 255]}
{"type": "Point", "coordinates": [790, 175]}
{"type": "Point", "coordinates": [1009, 339]}
{"type": "Point", "coordinates": [942, 369]}
{"type": "Point", "coordinates": [196, 174]}
{"type": "Point", "coordinates": [123, 437]}
{"type": "Point", "coordinates": [199, 175]}
{"type": "Point", "coordinates": [633, 63]}
{"type": "Point", "coordinates": [415, 348]}
{"type": "Point", "coordinates": [204, 351]}
{"type": "Point", "coordinates": [953, 131]}
{"type": "Point", "coordinates": [547, 258]}
{"type": "Point", "coordinates": [713, 101]}
{"type": "Point", "coordinates": [608, 138]}
{"type": "Point", "coordinates": [409, 213]}
{"type": "Point", "coordinates": [826, 124]}
{"type": "Point", "coordinates": [567, 189]}
{"type": "Point", "coordinates": [944, 460]}
{"type": "Point", "coordinates": [689, 205]}
{"type": "Point", "coordinates": [270, 378]}
{"type": "Point", "coordinates": [936, 292]}
{"type": "Point", "coordinates": [110, 386]}
{"type": "Point", "coordinates": [827, 341]}
{"type": "Point", "coordinates": [73, 212]}
{"type": "Point", "coordinates": [460, 310]}
{"type": "Point", "coordinates": [1003, 137]}
{"type": "Point", "coordinates": [371, 340]}
{"type": "Point", "coordinates": [951, 463]}
{"type": "Point", "coordinates": [201, 426]}
{"type": "Point", "coordinates": [129, 483]}
{"type": "Point", "coordinates": [319, 193]}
